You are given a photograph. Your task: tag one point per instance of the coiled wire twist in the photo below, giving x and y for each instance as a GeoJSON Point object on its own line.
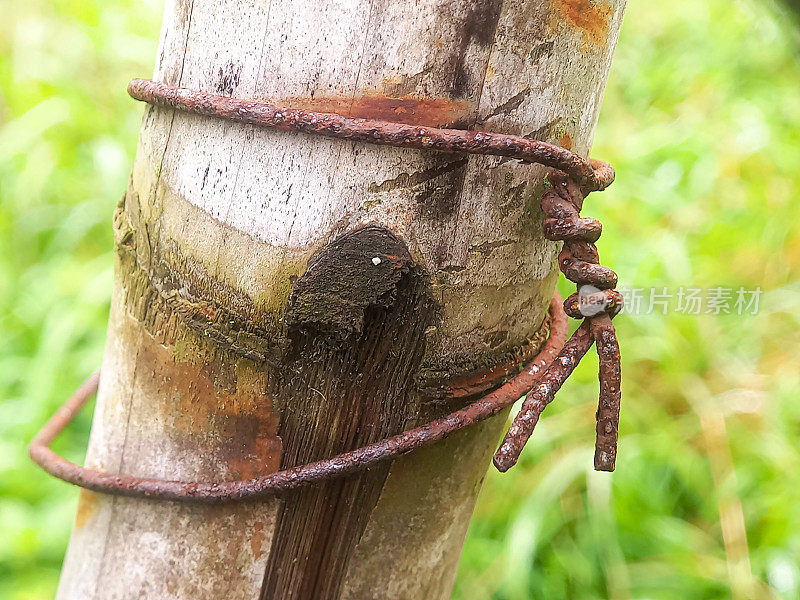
{"type": "Point", "coordinates": [596, 301]}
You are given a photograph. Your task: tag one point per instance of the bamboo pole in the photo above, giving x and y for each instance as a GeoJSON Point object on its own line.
{"type": "Point", "coordinates": [250, 327]}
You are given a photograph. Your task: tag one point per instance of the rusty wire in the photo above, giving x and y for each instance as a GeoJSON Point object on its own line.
{"type": "Point", "coordinates": [289, 479]}
{"type": "Point", "coordinates": [590, 175]}
{"type": "Point", "coordinates": [579, 261]}
{"type": "Point", "coordinates": [573, 178]}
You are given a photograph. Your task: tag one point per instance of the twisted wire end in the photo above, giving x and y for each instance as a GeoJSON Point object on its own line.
{"type": "Point", "coordinates": [596, 302]}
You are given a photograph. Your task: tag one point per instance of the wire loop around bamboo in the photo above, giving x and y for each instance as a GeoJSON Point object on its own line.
{"type": "Point", "coordinates": [289, 479]}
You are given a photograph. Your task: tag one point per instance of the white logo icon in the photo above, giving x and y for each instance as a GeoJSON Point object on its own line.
{"type": "Point", "coordinates": [591, 300]}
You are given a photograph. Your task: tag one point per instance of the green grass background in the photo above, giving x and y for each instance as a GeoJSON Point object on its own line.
{"type": "Point", "coordinates": [702, 121]}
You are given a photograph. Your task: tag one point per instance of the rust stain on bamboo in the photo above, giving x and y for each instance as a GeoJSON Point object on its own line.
{"type": "Point", "coordinates": [257, 539]}
{"type": "Point", "coordinates": [590, 17]}
{"type": "Point", "coordinates": [431, 112]}
{"type": "Point", "coordinates": [87, 505]}
{"type": "Point", "coordinates": [213, 403]}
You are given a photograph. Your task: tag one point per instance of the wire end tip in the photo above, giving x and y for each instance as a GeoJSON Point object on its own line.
{"type": "Point", "coordinates": [503, 461]}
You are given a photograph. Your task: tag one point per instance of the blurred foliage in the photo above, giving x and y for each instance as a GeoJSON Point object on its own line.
{"type": "Point", "coordinates": [793, 5]}
{"type": "Point", "coordinates": [701, 121]}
